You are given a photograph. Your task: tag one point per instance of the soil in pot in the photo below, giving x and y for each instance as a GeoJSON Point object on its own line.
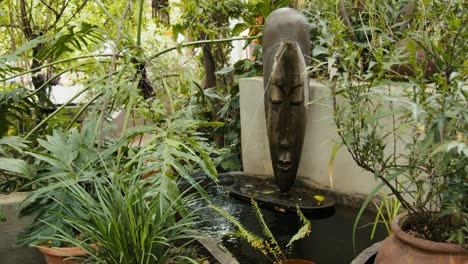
{"type": "Point", "coordinates": [401, 247]}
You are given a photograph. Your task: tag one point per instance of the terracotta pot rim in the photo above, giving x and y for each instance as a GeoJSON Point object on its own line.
{"type": "Point", "coordinates": [63, 251]}
{"type": "Point", "coordinates": [424, 244]}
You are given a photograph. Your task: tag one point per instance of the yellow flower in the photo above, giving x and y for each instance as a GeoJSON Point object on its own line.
{"type": "Point", "coordinates": [420, 128]}
{"type": "Point", "coordinates": [11, 131]}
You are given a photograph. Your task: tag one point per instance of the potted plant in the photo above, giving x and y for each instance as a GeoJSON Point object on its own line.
{"type": "Point", "coordinates": [64, 255]}
{"type": "Point", "coordinates": [60, 160]}
{"type": "Point", "coordinates": [72, 174]}
{"type": "Point", "coordinates": [130, 220]}
{"type": "Point", "coordinates": [412, 136]}
{"type": "Point", "coordinates": [134, 220]}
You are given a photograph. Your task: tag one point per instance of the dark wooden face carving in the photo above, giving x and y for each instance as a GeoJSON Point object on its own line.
{"type": "Point", "coordinates": [285, 81]}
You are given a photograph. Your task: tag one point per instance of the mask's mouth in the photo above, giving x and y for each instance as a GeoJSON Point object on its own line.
{"type": "Point", "coordinates": [284, 165]}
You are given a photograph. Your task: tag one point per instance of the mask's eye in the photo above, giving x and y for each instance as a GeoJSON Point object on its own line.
{"type": "Point", "coordinates": [296, 96]}
{"type": "Point", "coordinates": [276, 95]}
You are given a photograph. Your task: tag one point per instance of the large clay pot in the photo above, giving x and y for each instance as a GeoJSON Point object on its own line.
{"type": "Point", "coordinates": [400, 247]}
{"type": "Point", "coordinates": [57, 255]}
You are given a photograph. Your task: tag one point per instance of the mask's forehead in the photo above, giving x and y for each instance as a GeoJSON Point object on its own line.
{"type": "Point", "coordinates": [288, 67]}
{"type": "Point", "coordinates": [283, 25]}
{"type": "Point", "coordinates": [288, 60]}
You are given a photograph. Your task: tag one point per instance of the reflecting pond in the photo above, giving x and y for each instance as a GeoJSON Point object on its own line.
{"type": "Point", "coordinates": [330, 240]}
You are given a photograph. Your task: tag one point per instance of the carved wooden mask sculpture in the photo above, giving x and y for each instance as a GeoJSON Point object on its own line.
{"type": "Point", "coordinates": [286, 40]}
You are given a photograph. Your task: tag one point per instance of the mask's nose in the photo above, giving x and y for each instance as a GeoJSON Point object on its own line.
{"type": "Point", "coordinates": [284, 144]}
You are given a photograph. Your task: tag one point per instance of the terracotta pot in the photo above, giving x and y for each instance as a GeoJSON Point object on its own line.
{"type": "Point", "coordinates": [146, 175]}
{"type": "Point", "coordinates": [298, 261]}
{"type": "Point", "coordinates": [400, 247]}
{"type": "Point", "coordinates": [57, 255]}
{"type": "Point", "coordinates": [422, 58]}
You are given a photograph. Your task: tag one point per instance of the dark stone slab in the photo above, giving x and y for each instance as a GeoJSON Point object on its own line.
{"type": "Point", "coordinates": [264, 190]}
{"type": "Point", "coordinates": [216, 251]}
{"type": "Point", "coordinates": [368, 255]}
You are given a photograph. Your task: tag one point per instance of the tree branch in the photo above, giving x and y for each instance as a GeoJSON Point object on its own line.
{"type": "Point", "coordinates": [25, 22]}
{"type": "Point", "coordinates": [59, 15]}
{"type": "Point", "coordinates": [49, 7]}
{"type": "Point", "coordinates": [407, 16]}
{"type": "Point", "coordinates": [78, 10]}
{"type": "Point", "coordinates": [200, 42]}
{"type": "Point", "coordinates": [344, 15]}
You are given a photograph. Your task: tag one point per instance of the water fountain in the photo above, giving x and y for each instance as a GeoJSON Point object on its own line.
{"type": "Point", "coordinates": [283, 153]}
{"type": "Point", "coordinates": [285, 43]}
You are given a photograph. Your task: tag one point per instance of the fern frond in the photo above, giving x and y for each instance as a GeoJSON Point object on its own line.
{"type": "Point", "coordinates": [273, 243]}
{"type": "Point", "coordinates": [304, 231]}
{"type": "Point", "coordinates": [254, 240]}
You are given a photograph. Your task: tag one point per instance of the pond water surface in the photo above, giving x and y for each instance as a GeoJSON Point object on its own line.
{"type": "Point", "coordinates": [329, 242]}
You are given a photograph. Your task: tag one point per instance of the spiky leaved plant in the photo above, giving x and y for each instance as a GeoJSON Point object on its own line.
{"type": "Point", "coordinates": [269, 246]}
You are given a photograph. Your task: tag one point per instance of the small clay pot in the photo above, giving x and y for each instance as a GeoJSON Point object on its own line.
{"type": "Point", "coordinates": [57, 255]}
{"type": "Point", "coordinates": [400, 247]}
{"type": "Point", "coordinates": [298, 261]}
{"type": "Point", "coordinates": [146, 175]}
{"type": "Point", "coordinates": [422, 58]}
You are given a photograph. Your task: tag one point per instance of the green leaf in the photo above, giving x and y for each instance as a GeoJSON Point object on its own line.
{"type": "Point", "coordinates": [74, 38]}
{"type": "Point", "coordinates": [2, 215]}
{"type": "Point", "coordinates": [225, 70]}
{"type": "Point", "coordinates": [238, 28]}
{"type": "Point", "coordinates": [331, 162]}
{"type": "Point", "coordinates": [17, 166]}
{"type": "Point", "coordinates": [387, 113]}
{"type": "Point", "coordinates": [303, 232]}
{"type": "Point", "coordinates": [14, 142]}
{"type": "Point", "coordinates": [51, 160]}
{"type": "Point", "coordinates": [28, 46]}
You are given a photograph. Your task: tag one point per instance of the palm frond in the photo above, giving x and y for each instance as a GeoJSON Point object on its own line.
{"type": "Point", "coordinates": [76, 37]}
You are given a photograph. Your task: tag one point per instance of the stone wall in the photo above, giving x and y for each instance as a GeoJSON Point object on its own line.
{"type": "Point", "coordinates": [9, 254]}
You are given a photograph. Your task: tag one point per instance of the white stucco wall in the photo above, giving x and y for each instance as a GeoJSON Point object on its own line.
{"type": "Point", "coordinates": [318, 144]}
